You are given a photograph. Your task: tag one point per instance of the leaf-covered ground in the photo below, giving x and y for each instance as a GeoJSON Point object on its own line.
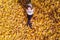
{"type": "Point", "coordinates": [45, 21]}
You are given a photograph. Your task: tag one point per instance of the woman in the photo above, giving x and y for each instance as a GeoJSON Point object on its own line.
{"type": "Point", "coordinates": [29, 11]}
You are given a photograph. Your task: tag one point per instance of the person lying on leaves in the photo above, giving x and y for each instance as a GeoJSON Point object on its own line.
{"type": "Point", "coordinates": [30, 12]}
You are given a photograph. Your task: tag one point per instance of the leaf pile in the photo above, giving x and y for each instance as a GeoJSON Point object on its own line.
{"type": "Point", "coordinates": [45, 21]}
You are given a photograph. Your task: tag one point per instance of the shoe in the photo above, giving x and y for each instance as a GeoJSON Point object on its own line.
{"type": "Point", "coordinates": [30, 25]}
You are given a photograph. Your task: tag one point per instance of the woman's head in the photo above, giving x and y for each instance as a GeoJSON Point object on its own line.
{"type": "Point", "coordinates": [29, 6]}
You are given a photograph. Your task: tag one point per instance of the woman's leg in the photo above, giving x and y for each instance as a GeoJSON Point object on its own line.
{"type": "Point", "coordinates": [29, 18]}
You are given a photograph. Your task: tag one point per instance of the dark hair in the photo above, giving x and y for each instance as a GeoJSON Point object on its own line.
{"type": "Point", "coordinates": [24, 1]}
{"type": "Point", "coordinates": [29, 6]}
{"type": "Point", "coordinates": [28, 1]}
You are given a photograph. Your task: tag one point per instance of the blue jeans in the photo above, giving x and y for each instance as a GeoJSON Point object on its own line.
{"type": "Point", "coordinates": [29, 18]}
